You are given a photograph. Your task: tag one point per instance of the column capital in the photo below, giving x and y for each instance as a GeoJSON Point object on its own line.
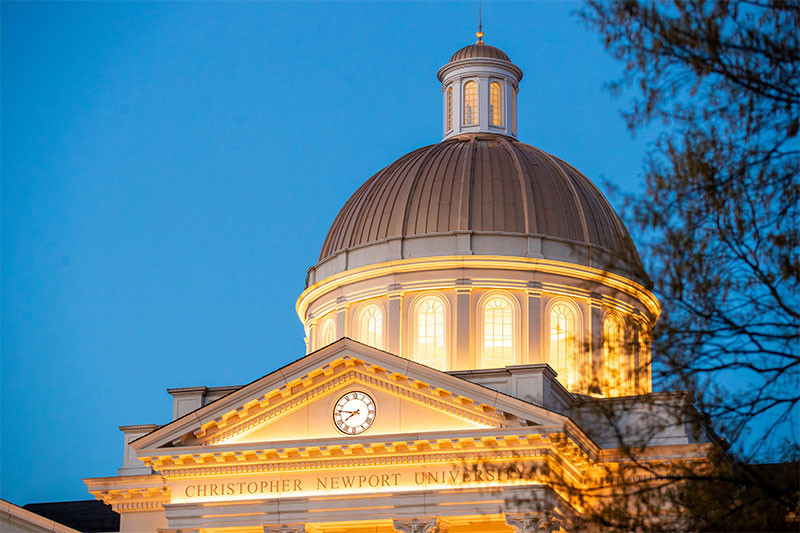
{"type": "Point", "coordinates": [463, 285]}
{"type": "Point", "coordinates": [595, 299]}
{"type": "Point", "coordinates": [290, 528]}
{"type": "Point", "coordinates": [342, 303]}
{"type": "Point", "coordinates": [394, 291]}
{"type": "Point", "coordinates": [533, 522]}
{"type": "Point", "coordinates": [420, 525]}
{"type": "Point", "coordinates": [534, 288]}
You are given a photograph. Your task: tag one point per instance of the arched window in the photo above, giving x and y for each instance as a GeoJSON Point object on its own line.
{"type": "Point", "coordinates": [498, 335]}
{"type": "Point", "coordinates": [327, 333]}
{"type": "Point", "coordinates": [429, 333]}
{"type": "Point", "coordinates": [562, 344]}
{"type": "Point", "coordinates": [496, 104]}
{"type": "Point", "coordinates": [370, 326]}
{"type": "Point", "coordinates": [450, 108]}
{"type": "Point", "coordinates": [470, 103]}
{"type": "Point", "coordinates": [612, 354]}
{"type": "Point", "coordinates": [513, 111]}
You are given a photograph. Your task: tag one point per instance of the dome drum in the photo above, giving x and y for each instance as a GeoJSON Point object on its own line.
{"type": "Point", "coordinates": [531, 287]}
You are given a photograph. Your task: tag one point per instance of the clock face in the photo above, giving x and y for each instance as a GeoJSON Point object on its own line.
{"type": "Point", "coordinates": [354, 413]}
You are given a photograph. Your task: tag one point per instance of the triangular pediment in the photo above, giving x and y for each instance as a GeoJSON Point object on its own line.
{"type": "Point", "coordinates": [296, 403]}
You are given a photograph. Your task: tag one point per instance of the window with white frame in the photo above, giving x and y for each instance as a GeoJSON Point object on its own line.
{"type": "Point", "coordinates": [498, 333]}
{"type": "Point", "coordinates": [450, 108]}
{"type": "Point", "coordinates": [561, 353]}
{"type": "Point", "coordinates": [430, 347]}
{"type": "Point", "coordinates": [470, 103]}
{"type": "Point", "coordinates": [327, 332]}
{"type": "Point", "coordinates": [496, 104]}
{"type": "Point", "coordinates": [370, 326]}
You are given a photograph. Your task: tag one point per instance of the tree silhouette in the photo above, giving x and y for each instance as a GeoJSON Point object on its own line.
{"type": "Point", "coordinates": [719, 223]}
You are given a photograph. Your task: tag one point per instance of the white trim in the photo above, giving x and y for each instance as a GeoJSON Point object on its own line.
{"type": "Point", "coordinates": [413, 306]}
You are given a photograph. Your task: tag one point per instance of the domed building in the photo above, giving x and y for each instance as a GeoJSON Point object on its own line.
{"type": "Point", "coordinates": [481, 252]}
{"type": "Point", "coordinates": [476, 308]}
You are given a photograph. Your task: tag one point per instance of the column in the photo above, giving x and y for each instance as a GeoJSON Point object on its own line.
{"type": "Point", "coordinates": [596, 378]}
{"type": "Point", "coordinates": [313, 342]}
{"type": "Point", "coordinates": [534, 312]}
{"type": "Point", "coordinates": [463, 357]}
{"type": "Point", "coordinates": [394, 320]}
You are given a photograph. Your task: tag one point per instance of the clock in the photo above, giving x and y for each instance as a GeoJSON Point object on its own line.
{"type": "Point", "coordinates": [354, 413]}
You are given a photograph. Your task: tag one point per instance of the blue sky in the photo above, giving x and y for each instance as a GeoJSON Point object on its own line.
{"type": "Point", "coordinates": [170, 170]}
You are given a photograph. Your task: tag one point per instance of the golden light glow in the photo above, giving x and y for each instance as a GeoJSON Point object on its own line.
{"type": "Point", "coordinates": [470, 103]}
{"type": "Point", "coordinates": [496, 104]}
{"type": "Point", "coordinates": [498, 335]}
{"type": "Point", "coordinates": [561, 355]}
{"type": "Point", "coordinates": [352, 481]}
{"type": "Point", "coordinates": [370, 326]}
{"type": "Point", "coordinates": [429, 334]}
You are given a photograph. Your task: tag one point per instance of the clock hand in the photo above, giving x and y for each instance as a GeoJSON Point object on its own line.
{"type": "Point", "coordinates": [351, 414]}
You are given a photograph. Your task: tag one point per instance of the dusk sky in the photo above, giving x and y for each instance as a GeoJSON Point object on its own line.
{"type": "Point", "coordinates": [170, 170]}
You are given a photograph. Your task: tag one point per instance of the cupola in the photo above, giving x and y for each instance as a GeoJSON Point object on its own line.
{"type": "Point", "coordinates": [479, 88]}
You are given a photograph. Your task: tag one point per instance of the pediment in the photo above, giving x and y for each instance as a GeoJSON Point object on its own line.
{"type": "Point", "coordinates": [296, 402]}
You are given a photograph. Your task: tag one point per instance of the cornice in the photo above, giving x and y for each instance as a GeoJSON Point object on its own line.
{"type": "Point", "coordinates": [527, 264]}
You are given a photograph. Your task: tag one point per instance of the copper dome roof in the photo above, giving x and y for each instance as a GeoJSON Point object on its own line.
{"type": "Point", "coordinates": [479, 50]}
{"type": "Point", "coordinates": [480, 183]}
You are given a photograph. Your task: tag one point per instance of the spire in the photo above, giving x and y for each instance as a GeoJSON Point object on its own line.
{"type": "Point", "coordinates": [480, 26]}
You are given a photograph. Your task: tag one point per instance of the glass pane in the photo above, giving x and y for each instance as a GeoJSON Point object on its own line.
{"type": "Point", "coordinates": [496, 104]}
{"type": "Point", "coordinates": [470, 103]}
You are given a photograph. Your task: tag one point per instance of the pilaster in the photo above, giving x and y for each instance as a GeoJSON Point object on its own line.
{"type": "Point", "coordinates": [595, 385]}
{"type": "Point", "coordinates": [394, 320]}
{"type": "Point", "coordinates": [534, 311]}
{"type": "Point", "coordinates": [483, 103]}
{"type": "Point", "coordinates": [463, 351]}
{"type": "Point", "coordinates": [312, 340]}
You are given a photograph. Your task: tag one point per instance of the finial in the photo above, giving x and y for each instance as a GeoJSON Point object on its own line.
{"type": "Point", "coordinates": [480, 28]}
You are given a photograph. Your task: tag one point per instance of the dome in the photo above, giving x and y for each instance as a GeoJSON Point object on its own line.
{"type": "Point", "coordinates": [480, 50]}
{"type": "Point", "coordinates": [487, 185]}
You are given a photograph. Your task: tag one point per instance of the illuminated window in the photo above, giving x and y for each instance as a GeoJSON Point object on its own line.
{"type": "Point", "coordinates": [450, 108]}
{"type": "Point", "coordinates": [429, 331]}
{"type": "Point", "coordinates": [496, 104]}
{"type": "Point", "coordinates": [612, 354]}
{"type": "Point", "coordinates": [498, 335]}
{"type": "Point", "coordinates": [562, 344]}
{"type": "Point", "coordinates": [370, 326]}
{"type": "Point", "coordinates": [514, 111]}
{"type": "Point", "coordinates": [328, 334]}
{"type": "Point", "coordinates": [470, 103]}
